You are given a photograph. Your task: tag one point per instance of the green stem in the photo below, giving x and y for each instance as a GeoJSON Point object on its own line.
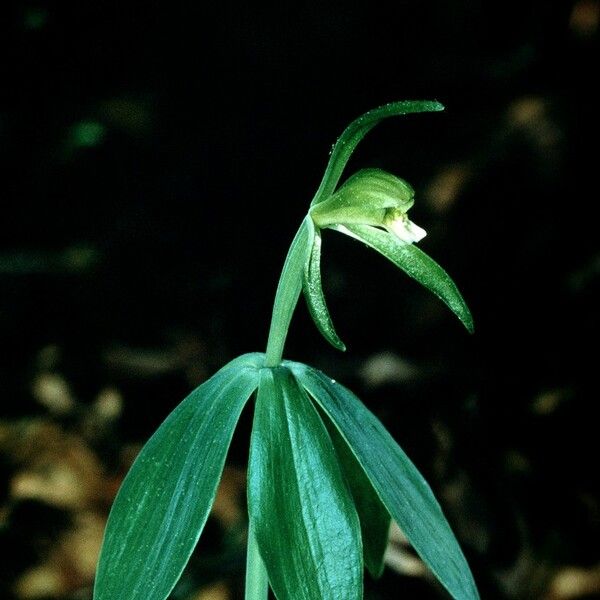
{"type": "Point", "coordinates": [288, 292]}
{"type": "Point", "coordinates": [257, 582]}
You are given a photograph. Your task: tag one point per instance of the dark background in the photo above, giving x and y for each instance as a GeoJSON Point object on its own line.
{"type": "Point", "coordinates": [155, 161]}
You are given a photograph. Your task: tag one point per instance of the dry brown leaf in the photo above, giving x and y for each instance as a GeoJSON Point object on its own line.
{"type": "Point", "coordinates": [585, 18]}
{"type": "Point", "coordinates": [531, 116]}
{"type": "Point", "coordinates": [446, 186]}
{"type": "Point", "coordinates": [41, 581]}
{"type": "Point", "coordinates": [387, 367]}
{"type": "Point", "coordinates": [53, 392]}
{"type": "Point", "coordinates": [574, 582]}
{"type": "Point", "coordinates": [80, 546]}
{"type": "Point", "coordinates": [52, 465]}
{"type": "Point", "coordinates": [228, 508]}
{"type": "Point", "coordinates": [216, 591]}
{"type": "Point", "coordinates": [71, 562]}
{"type": "Point", "coordinates": [399, 555]}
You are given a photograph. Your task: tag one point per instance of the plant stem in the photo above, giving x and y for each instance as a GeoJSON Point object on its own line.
{"type": "Point", "coordinates": [288, 292]}
{"type": "Point", "coordinates": [257, 582]}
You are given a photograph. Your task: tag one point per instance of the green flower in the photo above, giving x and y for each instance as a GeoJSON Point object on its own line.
{"type": "Point", "coordinates": [371, 207]}
{"type": "Point", "coordinates": [371, 197]}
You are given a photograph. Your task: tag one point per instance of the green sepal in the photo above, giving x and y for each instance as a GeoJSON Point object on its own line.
{"type": "Point", "coordinates": [400, 486]}
{"type": "Point", "coordinates": [366, 198]}
{"type": "Point", "coordinates": [373, 515]}
{"type": "Point", "coordinates": [164, 501]}
{"type": "Point", "coordinates": [299, 504]}
{"type": "Point", "coordinates": [313, 291]}
{"type": "Point", "coordinates": [356, 131]}
{"type": "Point", "coordinates": [416, 264]}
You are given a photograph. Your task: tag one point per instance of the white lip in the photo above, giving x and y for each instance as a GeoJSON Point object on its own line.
{"type": "Point", "coordinates": [405, 229]}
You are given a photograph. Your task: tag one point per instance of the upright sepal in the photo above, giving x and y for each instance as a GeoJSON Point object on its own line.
{"type": "Point", "coordinates": [356, 131]}
{"type": "Point", "coordinates": [300, 507]}
{"type": "Point", "coordinates": [400, 486]}
{"type": "Point", "coordinates": [162, 506]}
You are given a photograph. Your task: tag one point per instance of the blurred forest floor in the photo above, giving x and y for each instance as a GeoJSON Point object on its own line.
{"type": "Point", "coordinates": [155, 164]}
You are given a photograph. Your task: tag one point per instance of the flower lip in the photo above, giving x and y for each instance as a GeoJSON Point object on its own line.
{"type": "Point", "coordinates": [397, 222]}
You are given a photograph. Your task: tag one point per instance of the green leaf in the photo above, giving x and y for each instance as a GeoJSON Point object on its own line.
{"type": "Point", "coordinates": [300, 506]}
{"type": "Point", "coordinates": [356, 131]}
{"type": "Point", "coordinates": [373, 515]}
{"type": "Point", "coordinates": [313, 292]}
{"type": "Point", "coordinates": [402, 489]}
{"type": "Point", "coordinates": [163, 504]}
{"type": "Point", "coordinates": [416, 264]}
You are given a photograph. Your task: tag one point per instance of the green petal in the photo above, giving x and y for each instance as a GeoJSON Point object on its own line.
{"type": "Point", "coordinates": [356, 131]}
{"type": "Point", "coordinates": [416, 264]}
{"type": "Point", "coordinates": [400, 486]}
{"type": "Point", "coordinates": [162, 506]}
{"type": "Point", "coordinates": [313, 292]}
{"type": "Point", "coordinates": [365, 199]}
{"type": "Point", "coordinates": [300, 507]}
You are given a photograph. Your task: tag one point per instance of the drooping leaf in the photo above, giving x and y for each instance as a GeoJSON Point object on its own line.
{"type": "Point", "coordinates": [373, 515]}
{"type": "Point", "coordinates": [416, 264]}
{"type": "Point", "coordinates": [401, 487]}
{"type": "Point", "coordinates": [313, 292]}
{"type": "Point", "coordinates": [163, 504]}
{"type": "Point", "coordinates": [356, 131]}
{"type": "Point", "coordinates": [299, 504]}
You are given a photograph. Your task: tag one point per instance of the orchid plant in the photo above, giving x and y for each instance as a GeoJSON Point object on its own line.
{"type": "Point", "coordinates": [325, 478]}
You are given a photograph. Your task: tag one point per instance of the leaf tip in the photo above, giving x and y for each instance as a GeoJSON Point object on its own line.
{"type": "Point", "coordinates": [467, 321]}
{"type": "Point", "coordinates": [332, 337]}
